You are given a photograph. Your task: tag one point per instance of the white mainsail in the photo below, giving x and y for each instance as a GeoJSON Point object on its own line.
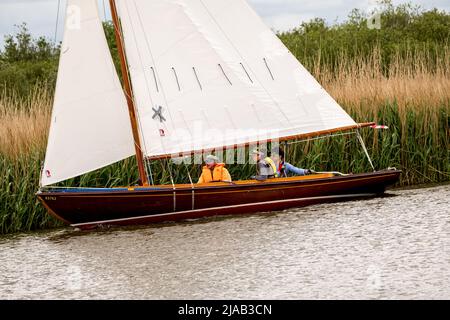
{"type": "Point", "coordinates": [90, 125]}
{"type": "Point", "coordinates": [209, 73]}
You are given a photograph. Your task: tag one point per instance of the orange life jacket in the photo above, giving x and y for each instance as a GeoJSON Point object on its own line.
{"type": "Point", "coordinates": [218, 174]}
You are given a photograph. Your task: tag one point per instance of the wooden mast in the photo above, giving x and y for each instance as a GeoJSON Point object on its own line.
{"type": "Point", "coordinates": [128, 94]}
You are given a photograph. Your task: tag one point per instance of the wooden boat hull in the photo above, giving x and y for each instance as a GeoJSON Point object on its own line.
{"type": "Point", "coordinates": [87, 208]}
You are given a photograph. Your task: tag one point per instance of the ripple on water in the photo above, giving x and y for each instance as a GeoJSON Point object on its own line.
{"type": "Point", "coordinates": [383, 248]}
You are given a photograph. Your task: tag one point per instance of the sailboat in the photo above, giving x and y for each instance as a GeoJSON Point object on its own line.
{"type": "Point", "coordinates": [198, 76]}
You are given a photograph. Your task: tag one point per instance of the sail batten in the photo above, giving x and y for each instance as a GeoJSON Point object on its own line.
{"type": "Point", "coordinates": [90, 127]}
{"type": "Point", "coordinates": [233, 79]}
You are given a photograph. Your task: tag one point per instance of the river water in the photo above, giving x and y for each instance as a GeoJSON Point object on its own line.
{"type": "Point", "coordinates": [394, 247]}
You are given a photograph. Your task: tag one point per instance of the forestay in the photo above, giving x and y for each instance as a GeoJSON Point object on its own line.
{"type": "Point", "coordinates": [90, 126]}
{"type": "Point", "coordinates": [209, 73]}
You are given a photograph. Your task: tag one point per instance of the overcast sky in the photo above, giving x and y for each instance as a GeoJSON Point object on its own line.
{"type": "Point", "coordinates": [40, 15]}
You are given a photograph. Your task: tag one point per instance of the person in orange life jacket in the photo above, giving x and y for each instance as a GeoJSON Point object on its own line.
{"type": "Point", "coordinates": [265, 167]}
{"type": "Point", "coordinates": [214, 171]}
{"type": "Point", "coordinates": [284, 169]}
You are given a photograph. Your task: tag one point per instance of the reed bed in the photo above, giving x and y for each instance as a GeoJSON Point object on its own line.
{"type": "Point", "coordinates": [412, 98]}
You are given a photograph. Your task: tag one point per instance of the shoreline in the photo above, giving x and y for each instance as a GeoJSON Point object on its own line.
{"type": "Point", "coordinates": [69, 229]}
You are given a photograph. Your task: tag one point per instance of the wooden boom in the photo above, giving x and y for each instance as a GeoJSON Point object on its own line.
{"type": "Point", "coordinates": [281, 139]}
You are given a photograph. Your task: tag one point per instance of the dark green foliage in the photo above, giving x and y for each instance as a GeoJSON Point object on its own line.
{"type": "Point", "coordinates": [111, 39]}
{"type": "Point", "coordinates": [415, 143]}
{"type": "Point", "coordinates": [26, 62]}
{"type": "Point", "coordinates": [405, 30]}
{"type": "Point", "coordinates": [19, 208]}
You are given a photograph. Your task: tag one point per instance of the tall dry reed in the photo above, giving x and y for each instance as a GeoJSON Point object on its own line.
{"type": "Point", "coordinates": [411, 96]}
{"type": "Point", "coordinates": [24, 123]}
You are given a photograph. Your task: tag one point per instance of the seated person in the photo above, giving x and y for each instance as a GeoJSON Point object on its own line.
{"type": "Point", "coordinates": [265, 167]}
{"type": "Point", "coordinates": [214, 171]}
{"type": "Point", "coordinates": [284, 169]}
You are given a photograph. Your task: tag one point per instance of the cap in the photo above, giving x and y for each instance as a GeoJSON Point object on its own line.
{"type": "Point", "coordinates": [211, 159]}
{"type": "Point", "coordinates": [257, 151]}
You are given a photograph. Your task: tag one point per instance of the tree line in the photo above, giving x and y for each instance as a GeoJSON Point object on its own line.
{"type": "Point", "coordinates": [405, 30]}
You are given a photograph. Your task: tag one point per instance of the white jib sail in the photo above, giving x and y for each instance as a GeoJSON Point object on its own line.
{"type": "Point", "coordinates": [90, 126]}
{"type": "Point", "coordinates": [209, 73]}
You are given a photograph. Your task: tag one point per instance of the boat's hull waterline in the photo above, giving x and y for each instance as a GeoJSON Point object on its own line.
{"type": "Point", "coordinates": [88, 208]}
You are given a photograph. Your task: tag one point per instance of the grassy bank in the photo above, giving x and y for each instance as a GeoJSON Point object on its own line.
{"type": "Point", "coordinates": [413, 100]}
{"type": "Point", "coordinates": [398, 75]}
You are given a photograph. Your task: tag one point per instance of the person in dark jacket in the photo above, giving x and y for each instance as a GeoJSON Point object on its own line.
{"type": "Point", "coordinates": [285, 169]}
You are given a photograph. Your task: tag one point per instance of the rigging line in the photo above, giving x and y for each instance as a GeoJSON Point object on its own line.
{"type": "Point", "coordinates": [150, 173]}
{"type": "Point", "coordinates": [358, 134]}
{"type": "Point", "coordinates": [153, 59]}
{"type": "Point", "coordinates": [148, 88]}
{"type": "Point", "coordinates": [147, 168]}
{"type": "Point", "coordinates": [192, 185]}
{"type": "Point", "coordinates": [321, 137]}
{"type": "Point", "coordinates": [187, 169]}
{"type": "Point", "coordinates": [57, 22]}
{"type": "Point", "coordinates": [170, 171]}
{"type": "Point", "coordinates": [149, 96]}
{"type": "Point", "coordinates": [146, 160]}
{"type": "Point", "coordinates": [139, 52]}
{"type": "Point", "coordinates": [243, 59]}
{"type": "Point", "coordinates": [155, 73]}
{"type": "Point", "coordinates": [104, 10]}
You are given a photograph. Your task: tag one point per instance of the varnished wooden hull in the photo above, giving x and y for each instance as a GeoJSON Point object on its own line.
{"type": "Point", "coordinates": [87, 208]}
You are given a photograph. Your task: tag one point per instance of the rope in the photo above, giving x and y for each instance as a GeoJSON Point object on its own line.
{"type": "Point", "coordinates": [361, 141]}
{"type": "Point", "coordinates": [148, 91]}
{"type": "Point", "coordinates": [321, 137]}
{"type": "Point", "coordinates": [192, 184]}
{"type": "Point", "coordinates": [365, 149]}
{"type": "Point", "coordinates": [104, 10]}
{"type": "Point", "coordinates": [173, 185]}
{"type": "Point", "coordinates": [147, 162]}
{"type": "Point", "coordinates": [150, 51]}
{"type": "Point", "coordinates": [57, 22]}
{"type": "Point", "coordinates": [188, 172]}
